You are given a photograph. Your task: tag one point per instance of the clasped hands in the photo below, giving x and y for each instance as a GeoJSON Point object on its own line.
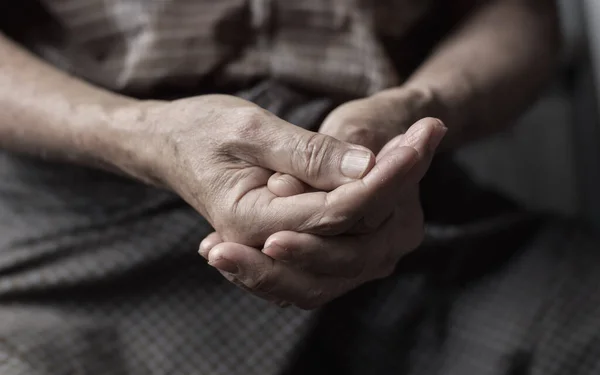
{"type": "Point", "coordinates": [300, 217]}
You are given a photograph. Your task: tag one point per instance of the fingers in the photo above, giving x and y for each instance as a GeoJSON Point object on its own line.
{"type": "Point", "coordinates": [320, 161]}
{"type": "Point", "coordinates": [208, 243]}
{"type": "Point", "coordinates": [259, 213]}
{"type": "Point", "coordinates": [273, 280]}
{"type": "Point", "coordinates": [285, 185]}
{"type": "Point", "coordinates": [232, 279]}
{"type": "Point", "coordinates": [360, 258]}
{"type": "Point", "coordinates": [308, 270]}
{"type": "Point", "coordinates": [340, 256]}
{"type": "Point", "coordinates": [424, 136]}
{"type": "Point", "coordinates": [337, 211]}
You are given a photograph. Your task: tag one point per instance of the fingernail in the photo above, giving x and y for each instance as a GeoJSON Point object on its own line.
{"type": "Point", "coordinates": [225, 265]}
{"type": "Point", "coordinates": [355, 163]}
{"type": "Point", "coordinates": [269, 243]}
{"type": "Point", "coordinates": [437, 136]}
{"type": "Point", "coordinates": [275, 251]}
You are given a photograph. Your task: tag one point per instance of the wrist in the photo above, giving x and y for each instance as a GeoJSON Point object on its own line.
{"type": "Point", "coordinates": [416, 102]}
{"type": "Point", "coordinates": [119, 138]}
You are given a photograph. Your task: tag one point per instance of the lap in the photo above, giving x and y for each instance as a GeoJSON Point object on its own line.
{"type": "Point", "coordinates": [123, 288]}
{"type": "Point", "coordinates": [533, 310]}
{"type": "Point", "coordinates": [100, 275]}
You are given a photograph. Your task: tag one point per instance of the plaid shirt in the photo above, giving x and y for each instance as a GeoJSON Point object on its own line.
{"type": "Point", "coordinates": [330, 46]}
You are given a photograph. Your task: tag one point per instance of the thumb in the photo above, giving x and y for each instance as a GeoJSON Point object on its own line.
{"type": "Point", "coordinates": [318, 160]}
{"type": "Point", "coordinates": [425, 137]}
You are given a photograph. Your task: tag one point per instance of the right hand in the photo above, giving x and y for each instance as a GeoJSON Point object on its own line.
{"type": "Point", "coordinates": [218, 153]}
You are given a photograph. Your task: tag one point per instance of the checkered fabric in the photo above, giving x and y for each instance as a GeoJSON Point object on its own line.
{"type": "Point", "coordinates": [534, 310]}
{"type": "Point", "coordinates": [100, 276]}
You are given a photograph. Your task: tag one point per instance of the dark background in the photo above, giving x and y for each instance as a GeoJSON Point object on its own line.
{"type": "Point", "coordinates": [551, 160]}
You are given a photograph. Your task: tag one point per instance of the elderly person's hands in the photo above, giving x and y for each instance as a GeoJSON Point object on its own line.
{"type": "Point", "coordinates": [218, 153]}
{"type": "Point", "coordinates": [308, 270]}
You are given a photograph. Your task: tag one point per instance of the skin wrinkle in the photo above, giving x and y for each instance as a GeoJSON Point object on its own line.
{"type": "Point", "coordinates": [308, 155]}
{"type": "Point", "coordinates": [267, 279]}
{"type": "Point", "coordinates": [251, 210]}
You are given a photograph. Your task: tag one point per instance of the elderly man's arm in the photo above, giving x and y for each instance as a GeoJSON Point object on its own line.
{"type": "Point", "coordinates": [491, 68]}
{"type": "Point", "coordinates": [46, 113]}
{"type": "Point", "coordinates": [477, 80]}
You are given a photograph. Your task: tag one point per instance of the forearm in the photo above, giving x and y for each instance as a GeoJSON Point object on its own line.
{"type": "Point", "coordinates": [47, 113]}
{"type": "Point", "coordinates": [492, 67]}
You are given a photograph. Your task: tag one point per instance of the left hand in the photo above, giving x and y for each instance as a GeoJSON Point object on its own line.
{"type": "Point", "coordinates": [309, 270]}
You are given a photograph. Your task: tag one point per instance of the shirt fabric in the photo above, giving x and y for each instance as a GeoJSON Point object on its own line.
{"type": "Point", "coordinates": [331, 46]}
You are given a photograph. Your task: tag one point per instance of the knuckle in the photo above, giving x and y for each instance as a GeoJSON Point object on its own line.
{"type": "Point", "coordinates": [311, 153]}
{"type": "Point", "coordinates": [248, 119]}
{"type": "Point", "coordinates": [262, 281]}
{"type": "Point", "coordinates": [331, 223]}
{"type": "Point", "coordinates": [227, 234]}
{"type": "Point", "coordinates": [244, 223]}
{"type": "Point", "coordinates": [244, 123]}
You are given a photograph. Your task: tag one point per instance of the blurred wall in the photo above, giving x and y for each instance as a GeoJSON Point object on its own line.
{"type": "Point", "coordinates": [551, 159]}
{"type": "Point", "coordinates": [533, 162]}
{"type": "Point", "coordinates": [588, 101]}
{"type": "Point", "coordinates": [592, 21]}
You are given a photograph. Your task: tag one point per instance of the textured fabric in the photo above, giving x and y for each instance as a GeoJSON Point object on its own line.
{"type": "Point", "coordinates": [100, 276]}
{"type": "Point", "coordinates": [134, 45]}
{"type": "Point", "coordinates": [478, 308]}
